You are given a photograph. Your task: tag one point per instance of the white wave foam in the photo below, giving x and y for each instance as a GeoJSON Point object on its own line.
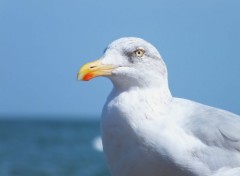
{"type": "Point", "coordinates": [97, 144]}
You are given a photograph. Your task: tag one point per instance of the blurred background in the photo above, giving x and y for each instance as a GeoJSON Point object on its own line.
{"type": "Point", "coordinates": [49, 122]}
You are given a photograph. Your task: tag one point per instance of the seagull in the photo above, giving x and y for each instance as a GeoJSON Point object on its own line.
{"type": "Point", "coordinates": [148, 132]}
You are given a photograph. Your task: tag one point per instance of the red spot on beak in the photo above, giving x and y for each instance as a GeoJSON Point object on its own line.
{"type": "Point", "coordinates": [88, 76]}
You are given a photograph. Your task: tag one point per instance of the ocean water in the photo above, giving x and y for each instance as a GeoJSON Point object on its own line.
{"type": "Point", "coordinates": [51, 148]}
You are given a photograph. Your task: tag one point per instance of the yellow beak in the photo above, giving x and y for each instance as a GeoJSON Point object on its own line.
{"type": "Point", "coordinates": [94, 69]}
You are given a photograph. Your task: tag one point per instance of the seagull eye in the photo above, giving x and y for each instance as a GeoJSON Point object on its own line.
{"type": "Point", "coordinates": [139, 52]}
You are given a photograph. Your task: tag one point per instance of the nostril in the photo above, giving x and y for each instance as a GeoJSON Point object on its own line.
{"type": "Point", "coordinates": [93, 66]}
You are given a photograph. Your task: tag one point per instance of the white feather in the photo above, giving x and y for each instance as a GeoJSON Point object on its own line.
{"type": "Point", "coordinates": [147, 132]}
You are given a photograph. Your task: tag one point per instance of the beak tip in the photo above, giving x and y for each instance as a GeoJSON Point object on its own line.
{"type": "Point", "coordinates": [84, 77]}
{"type": "Point", "coordinates": [79, 77]}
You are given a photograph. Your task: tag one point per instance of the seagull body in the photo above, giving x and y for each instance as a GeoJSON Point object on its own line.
{"type": "Point", "coordinates": [147, 132]}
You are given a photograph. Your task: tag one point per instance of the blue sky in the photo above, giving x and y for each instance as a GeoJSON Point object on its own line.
{"type": "Point", "coordinates": [43, 44]}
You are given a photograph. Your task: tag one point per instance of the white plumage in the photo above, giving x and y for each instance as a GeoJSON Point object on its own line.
{"type": "Point", "coordinates": [147, 132]}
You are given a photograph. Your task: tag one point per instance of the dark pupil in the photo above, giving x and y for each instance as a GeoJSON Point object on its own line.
{"type": "Point", "coordinates": [139, 52]}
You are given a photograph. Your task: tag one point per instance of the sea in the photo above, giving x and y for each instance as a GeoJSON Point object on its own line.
{"type": "Point", "coordinates": [51, 148]}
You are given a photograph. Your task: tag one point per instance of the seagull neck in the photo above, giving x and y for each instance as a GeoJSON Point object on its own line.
{"type": "Point", "coordinates": [161, 93]}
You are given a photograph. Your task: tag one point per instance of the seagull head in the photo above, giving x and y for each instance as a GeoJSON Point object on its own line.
{"type": "Point", "coordinates": [128, 62]}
